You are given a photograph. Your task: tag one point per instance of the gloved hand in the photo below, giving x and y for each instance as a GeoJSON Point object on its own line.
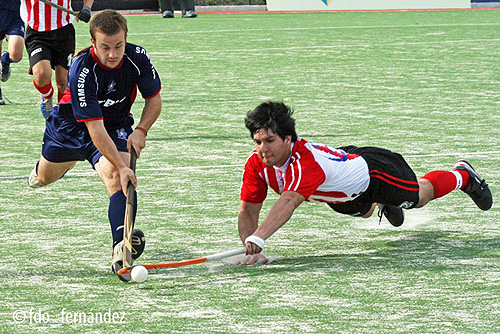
{"type": "Point", "coordinates": [84, 14]}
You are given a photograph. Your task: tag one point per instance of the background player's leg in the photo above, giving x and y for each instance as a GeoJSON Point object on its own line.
{"type": "Point", "coordinates": [61, 81]}
{"type": "Point", "coordinates": [42, 76]}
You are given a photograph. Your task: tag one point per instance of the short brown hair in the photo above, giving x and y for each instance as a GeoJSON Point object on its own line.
{"type": "Point", "coordinates": [109, 22]}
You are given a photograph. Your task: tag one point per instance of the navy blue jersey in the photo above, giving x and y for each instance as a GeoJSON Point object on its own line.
{"type": "Point", "coordinates": [12, 5]}
{"type": "Point", "coordinates": [98, 92]}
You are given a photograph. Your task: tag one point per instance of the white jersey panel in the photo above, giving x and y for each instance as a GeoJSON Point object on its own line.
{"type": "Point", "coordinates": [347, 176]}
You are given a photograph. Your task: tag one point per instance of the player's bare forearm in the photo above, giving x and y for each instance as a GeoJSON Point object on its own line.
{"type": "Point", "coordinates": [279, 214]}
{"type": "Point", "coordinates": [107, 147]}
{"type": "Point", "coordinates": [150, 114]}
{"type": "Point", "coordinates": [88, 3]}
{"type": "Point", "coordinates": [248, 218]}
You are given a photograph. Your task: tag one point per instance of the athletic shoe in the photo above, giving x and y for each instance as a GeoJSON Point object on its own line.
{"type": "Point", "coordinates": [5, 70]}
{"type": "Point", "coordinates": [394, 214]}
{"type": "Point", "coordinates": [138, 244]}
{"type": "Point", "coordinates": [168, 14]}
{"type": "Point", "coordinates": [189, 14]}
{"type": "Point", "coordinates": [45, 106]}
{"type": "Point", "coordinates": [33, 178]}
{"type": "Point", "coordinates": [2, 102]}
{"type": "Point", "coordinates": [476, 187]}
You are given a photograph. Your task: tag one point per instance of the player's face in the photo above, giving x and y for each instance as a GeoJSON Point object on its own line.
{"type": "Point", "coordinates": [109, 49]}
{"type": "Point", "coordinates": [272, 149]}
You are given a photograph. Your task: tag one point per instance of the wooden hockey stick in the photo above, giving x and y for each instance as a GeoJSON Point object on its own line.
{"type": "Point", "coordinates": [215, 257]}
{"type": "Point", "coordinates": [128, 224]}
{"type": "Point", "coordinates": [64, 9]}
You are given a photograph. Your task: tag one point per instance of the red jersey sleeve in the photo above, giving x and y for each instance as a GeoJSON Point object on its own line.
{"type": "Point", "coordinates": [253, 185]}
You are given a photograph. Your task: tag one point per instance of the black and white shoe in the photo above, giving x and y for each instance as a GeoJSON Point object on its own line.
{"type": "Point", "coordinates": [138, 244]}
{"type": "Point", "coordinates": [476, 187]}
{"type": "Point", "coordinates": [168, 14]}
{"type": "Point", "coordinates": [189, 14]}
{"type": "Point", "coordinates": [394, 214]}
{"type": "Point", "coordinates": [5, 70]}
{"type": "Point", "coordinates": [2, 102]}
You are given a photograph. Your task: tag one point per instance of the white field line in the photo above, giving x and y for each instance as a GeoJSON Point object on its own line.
{"type": "Point", "coordinates": [246, 31]}
{"type": "Point", "coordinates": [195, 168]}
{"type": "Point", "coordinates": [325, 47]}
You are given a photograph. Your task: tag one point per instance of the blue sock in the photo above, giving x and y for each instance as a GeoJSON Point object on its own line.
{"type": "Point", "coordinates": [6, 58]}
{"type": "Point", "coordinates": [116, 214]}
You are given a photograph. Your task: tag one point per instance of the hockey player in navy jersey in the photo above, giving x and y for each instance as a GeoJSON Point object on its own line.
{"type": "Point", "coordinates": [351, 180]}
{"type": "Point", "coordinates": [93, 121]}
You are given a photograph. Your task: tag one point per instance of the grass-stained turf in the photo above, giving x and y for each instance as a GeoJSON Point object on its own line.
{"type": "Point", "coordinates": [424, 84]}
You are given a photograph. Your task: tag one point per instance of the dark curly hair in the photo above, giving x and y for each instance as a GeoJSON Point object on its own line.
{"type": "Point", "coordinates": [274, 116]}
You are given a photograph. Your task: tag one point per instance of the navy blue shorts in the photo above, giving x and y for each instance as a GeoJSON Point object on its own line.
{"type": "Point", "coordinates": [11, 24]}
{"type": "Point", "coordinates": [64, 141]}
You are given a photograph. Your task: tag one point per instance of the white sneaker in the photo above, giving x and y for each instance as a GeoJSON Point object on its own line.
{"type": "Point", "coordinates": [138, 243]}
{"type": "Point", "coordinates": [45, 105]}
{"type": "Point", "coordinates": [33, 178]}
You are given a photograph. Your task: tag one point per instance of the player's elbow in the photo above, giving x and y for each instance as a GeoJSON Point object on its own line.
{"type": "Point", "coordinates": [292, 199]}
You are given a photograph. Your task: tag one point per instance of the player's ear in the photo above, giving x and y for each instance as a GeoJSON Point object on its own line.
{"type": "Point", "coordinates": [92, 41]}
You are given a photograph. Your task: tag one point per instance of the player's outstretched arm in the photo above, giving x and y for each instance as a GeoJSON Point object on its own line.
{"type": "Point", "coordinates": [279, 214]}
{"type": "Point", "coordinates": [150, 113]}
{"type": "Point", "coordinates": [248, 218]}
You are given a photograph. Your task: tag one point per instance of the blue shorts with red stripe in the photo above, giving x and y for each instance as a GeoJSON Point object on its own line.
{"type": "Point", "coordinates": [11, 24]}
{"type": "Point", "coordinates": [392, 182]}
{"type": "Point", "coordinates": [65, 141]}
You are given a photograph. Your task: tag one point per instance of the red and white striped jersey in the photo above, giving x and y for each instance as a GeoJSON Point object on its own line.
{"type": "Point", "coordinates": [42, 17]}
{"type": "Point", "coordinates": [317, 172]}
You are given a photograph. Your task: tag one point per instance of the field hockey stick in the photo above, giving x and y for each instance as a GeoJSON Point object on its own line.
{"type": "Point", "coordinates": [64, 9]}
{"type": "Point", "coordinates": [209, 258]}
{"type": "Point", "coordinates": [128, 223]}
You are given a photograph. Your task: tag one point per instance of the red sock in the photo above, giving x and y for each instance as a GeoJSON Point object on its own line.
{"type": "Point", "coordinates": [47, 91]}
{"type": "Point", "coordinates": [445, 182]}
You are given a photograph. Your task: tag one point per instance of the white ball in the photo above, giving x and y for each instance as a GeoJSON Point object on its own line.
{"type": "Point", "coordinates": [139, 274]}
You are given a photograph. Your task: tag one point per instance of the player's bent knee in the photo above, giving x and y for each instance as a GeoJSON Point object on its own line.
{"type": "Point", "coordinates": [42, 75]}
{"type": "Point", "coordinates": [426, 192]}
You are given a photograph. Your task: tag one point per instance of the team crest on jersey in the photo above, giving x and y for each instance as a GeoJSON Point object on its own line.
{"type": "Point", "coordinates": [111, 87]}
{"type": "Point", "coordinates": [122, 134]}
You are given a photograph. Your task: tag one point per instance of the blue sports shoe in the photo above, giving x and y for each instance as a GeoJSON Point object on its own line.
{"type": "Point", "coordinates": [45, 105]}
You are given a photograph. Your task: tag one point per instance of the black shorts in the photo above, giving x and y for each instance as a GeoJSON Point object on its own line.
{"type": "Point", "coordinates": [57, 46]}
{"type": "Point", "coordinates": [392, 182]}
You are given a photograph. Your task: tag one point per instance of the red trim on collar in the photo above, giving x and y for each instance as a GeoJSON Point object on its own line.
{"type": "Point", "coordinates": [101, 65]}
